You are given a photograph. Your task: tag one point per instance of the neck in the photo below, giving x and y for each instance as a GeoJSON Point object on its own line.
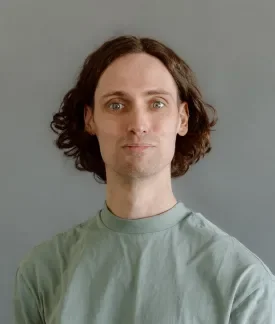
{"type": "Point", "coordinates": [139, 198]}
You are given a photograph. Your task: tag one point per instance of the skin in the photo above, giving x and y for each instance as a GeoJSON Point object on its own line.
{"type": "Point", "coordinates": [138, 182]}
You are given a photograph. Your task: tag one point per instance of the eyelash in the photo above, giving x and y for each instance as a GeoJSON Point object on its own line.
{"type": "Point", "coordinates": [157, 101]}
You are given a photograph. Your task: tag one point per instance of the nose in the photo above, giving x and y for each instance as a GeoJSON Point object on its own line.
{"type": "Point", "coordinates": [138, 122]}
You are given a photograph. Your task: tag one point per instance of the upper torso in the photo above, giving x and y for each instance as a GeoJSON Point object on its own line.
{"type": "Point", "coordinates": [103, 271]}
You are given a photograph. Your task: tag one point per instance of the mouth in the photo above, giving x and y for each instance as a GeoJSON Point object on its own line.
{"type": "Point", "coordinates": [137, 148]}
{"type": "Point", "coordinates": [134, 144]}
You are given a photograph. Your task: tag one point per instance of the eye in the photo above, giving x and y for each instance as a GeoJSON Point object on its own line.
{"type": "Point", "coordinates": [115, 105]}
{"type": "Point", "coordinates": [158, 104]}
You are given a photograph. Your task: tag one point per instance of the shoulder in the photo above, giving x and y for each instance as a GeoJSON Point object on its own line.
{"type": "Point", "coordinates": [51, 256]}
{"type": "Point", "coordinates": [227, 250]}
{"type": "Point", "coordinates": [232, 267]}
{"type": "Point", "coordinates": [41, 272]}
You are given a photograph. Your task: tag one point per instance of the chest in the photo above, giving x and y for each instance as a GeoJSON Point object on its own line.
{"type": "Point", "coordinates": [137, 293]}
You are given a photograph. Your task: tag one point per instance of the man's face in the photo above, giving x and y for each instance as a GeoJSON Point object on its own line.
{"type": "Point", "coordinates": [136, 102]}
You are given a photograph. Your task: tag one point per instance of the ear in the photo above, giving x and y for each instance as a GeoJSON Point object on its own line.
{"type": "Point", "coordinates": [89, 120]}
{"type": "Point", "coordinates": [184, 117]}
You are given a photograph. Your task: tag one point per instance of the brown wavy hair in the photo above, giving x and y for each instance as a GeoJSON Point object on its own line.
{"type": "Point", "coordinates": [68, 122]}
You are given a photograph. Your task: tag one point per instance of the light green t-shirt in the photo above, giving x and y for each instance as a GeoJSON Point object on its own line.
{"type": "Point", "coordinates": [172, 268]}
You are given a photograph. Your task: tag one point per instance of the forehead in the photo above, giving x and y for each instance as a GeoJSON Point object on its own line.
{"type": "Point", "coordinates": [136, 72]}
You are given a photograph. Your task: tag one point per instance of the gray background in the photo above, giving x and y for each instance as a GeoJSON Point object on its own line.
{"type": "Point", "coordinates": [230, 45]}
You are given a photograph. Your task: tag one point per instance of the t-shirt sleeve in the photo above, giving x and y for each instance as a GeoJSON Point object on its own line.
{"type": "Point", "coordinates": [25, 302]}
{"type": "Point", "coordinates": [257, 307]}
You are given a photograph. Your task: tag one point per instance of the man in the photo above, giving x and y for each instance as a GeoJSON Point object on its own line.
{"type": "Point", "coordinates": [136, 119]}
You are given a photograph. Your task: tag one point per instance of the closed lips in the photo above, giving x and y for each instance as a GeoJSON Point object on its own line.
{"type": "Point", "coordinates": [138, 145]}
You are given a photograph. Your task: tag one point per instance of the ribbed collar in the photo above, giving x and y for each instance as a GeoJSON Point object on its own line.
{"type": "Point", "coordinates": [151, 224]}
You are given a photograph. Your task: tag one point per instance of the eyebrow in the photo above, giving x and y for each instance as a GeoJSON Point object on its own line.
{"type": "Point", "coordinates": [146, 93]}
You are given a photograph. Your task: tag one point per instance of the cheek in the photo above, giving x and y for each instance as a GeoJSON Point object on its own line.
{"type": "Point", "coordinates": [166, 128]}
{"type": "Point", "coordinates": [108, 128]}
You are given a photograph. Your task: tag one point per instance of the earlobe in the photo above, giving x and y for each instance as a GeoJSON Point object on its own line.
{"type": "Point", "coordinates": [183, 130]}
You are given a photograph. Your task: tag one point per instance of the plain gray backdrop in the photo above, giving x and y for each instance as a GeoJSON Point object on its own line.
{"type": "Point", "coordinates": [230, 45]}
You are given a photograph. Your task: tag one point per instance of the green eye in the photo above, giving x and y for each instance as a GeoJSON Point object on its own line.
{"type": "Point", "coordinates": [158, 104]}
{"type": "Point", "coordinates": [115, 105]}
